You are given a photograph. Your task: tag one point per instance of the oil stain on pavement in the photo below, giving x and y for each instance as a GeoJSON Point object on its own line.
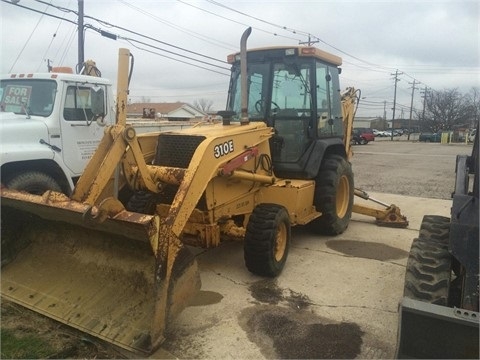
{"type": "Point", "coordinates": [367, 250]}
{"type": "Point", "coordinates": [293, 331]}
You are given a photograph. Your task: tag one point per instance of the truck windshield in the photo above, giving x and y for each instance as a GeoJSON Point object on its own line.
{"type": "Point", "coordinates": [27, 96]}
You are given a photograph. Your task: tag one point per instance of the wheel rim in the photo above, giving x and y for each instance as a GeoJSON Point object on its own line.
{"type": "Point", "coordinates": [281, 242]}
{"type": "Point", "coordinates": [343, 192]}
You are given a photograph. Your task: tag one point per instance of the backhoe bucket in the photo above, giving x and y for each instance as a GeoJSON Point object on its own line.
{"type": "Point", "coordinates": [122, 280]}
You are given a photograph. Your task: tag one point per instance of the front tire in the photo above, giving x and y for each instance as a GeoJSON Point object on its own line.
{"type": "Point", "coordinates": [267, 240]}
{"type": "Point", "coordinates": [334, 191]}
{"type": "Point", "coordinates": [33, 182]}
{"type": "Point", "coordinates": [429, 266]}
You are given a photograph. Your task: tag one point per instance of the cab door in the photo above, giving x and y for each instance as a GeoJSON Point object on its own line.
{"type": "Point", "coordinates": [81, 132]}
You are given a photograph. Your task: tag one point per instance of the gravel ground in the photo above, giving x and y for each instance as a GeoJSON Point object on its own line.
{"type": "Point", "coordinates": [407, 167]}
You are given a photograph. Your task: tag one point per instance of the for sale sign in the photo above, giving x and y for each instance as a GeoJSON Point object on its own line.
{"type": "Point", "coordinates": [16, 98]}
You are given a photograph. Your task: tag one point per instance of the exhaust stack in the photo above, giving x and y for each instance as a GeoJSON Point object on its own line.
{"type": "Point", "coordinates": [243, 73]}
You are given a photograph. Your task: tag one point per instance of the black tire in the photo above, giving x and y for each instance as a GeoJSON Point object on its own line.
{"type": "Point", "coordinates": [363, 141]}
{"type": "Point", "coordinates": [429, 266]}
{"type": "Point", "coordinates": [435, 228]}
{"type": "Point", "coordinates": [33, 182]}
{"type": "Point", "coordinates": [267, 240]}
{"type": "Point", "coordinates": [142, 202]}
{"type": "Point", "coordinates": [334, 191]}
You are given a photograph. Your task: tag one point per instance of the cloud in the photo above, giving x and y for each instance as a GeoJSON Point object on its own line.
{"type": "Point", "coordinates": [434, 42]}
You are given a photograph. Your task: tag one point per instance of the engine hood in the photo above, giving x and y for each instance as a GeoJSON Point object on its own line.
{"type": "Point", "coordinates": [20, 138]}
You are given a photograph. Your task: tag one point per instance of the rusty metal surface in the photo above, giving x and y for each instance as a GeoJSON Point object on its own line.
{"type": "Point", "coordinates": [58, 207]}
{"type": "Point", "coordinates": [100, 284]}
{"type": "Point", "coordinates": [92, 276]}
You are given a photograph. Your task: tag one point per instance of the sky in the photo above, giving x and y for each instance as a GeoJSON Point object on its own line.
{"type": "Point", "coordinates": [180, 47]}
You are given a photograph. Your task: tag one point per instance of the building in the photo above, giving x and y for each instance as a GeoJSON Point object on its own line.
{"type": "Point", "coordinates": [364, 122]}
{"type": "Point", "coordinates": [177, 111]}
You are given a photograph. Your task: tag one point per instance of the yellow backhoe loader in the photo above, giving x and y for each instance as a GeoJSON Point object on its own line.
{"type": "Point", "coordinates": [113, 259]}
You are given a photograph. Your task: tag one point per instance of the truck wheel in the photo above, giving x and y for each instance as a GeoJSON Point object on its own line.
{"type": "Point", "coordinates": [429, 267]}
{"type": "Point", "coordinates": [267, 240]}
{"type": "Point", "coordinates": [34, 182]}
{"type": "Point", "coordinates": [333, 196]}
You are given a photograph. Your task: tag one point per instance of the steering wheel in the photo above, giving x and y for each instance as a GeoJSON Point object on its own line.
{"type": "Point", "coordinates": [259, 106]}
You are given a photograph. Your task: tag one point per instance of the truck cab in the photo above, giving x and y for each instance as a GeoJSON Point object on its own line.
{"type": "Point", "coordinates": [50, 126]}
{"type": "Point", "coordinates": [296, 91]}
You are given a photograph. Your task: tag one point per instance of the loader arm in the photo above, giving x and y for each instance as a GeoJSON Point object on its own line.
{"type": "Point", "coordinates": [118, 142]}
{"type": "Point", "coordinates": [349, 107]}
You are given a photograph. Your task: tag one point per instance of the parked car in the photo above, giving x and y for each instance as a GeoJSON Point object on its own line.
{"type": "Point", "coordinates": [430, 137]}
{"type": "Point", "coordinates": [362, 136]}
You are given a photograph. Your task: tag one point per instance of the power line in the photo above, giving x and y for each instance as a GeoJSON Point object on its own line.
{"type": "Point", "coordinates": [181, 29]}
{"type": "Point", "coordinates": [237, 22]}
{"type": "Point", "coordinates": [133, 32]}
{"type": "Point", "coordinates": [130, 40]}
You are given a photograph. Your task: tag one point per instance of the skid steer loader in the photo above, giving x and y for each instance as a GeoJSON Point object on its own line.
{"type": "Point", "coordinates": [113, 259]}
{"type": "Point", "coordinates": [439, 314]}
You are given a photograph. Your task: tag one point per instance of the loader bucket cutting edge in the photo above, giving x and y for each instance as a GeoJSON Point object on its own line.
{"type": "Point", "coordinates": [93, 279]}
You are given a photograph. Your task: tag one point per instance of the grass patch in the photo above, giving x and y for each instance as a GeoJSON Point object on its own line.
{"type": "Point", "coordinates": [24, 347]}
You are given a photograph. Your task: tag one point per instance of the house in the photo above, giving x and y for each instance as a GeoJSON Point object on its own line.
{"type": "Point", "coordinates": [177, 111]}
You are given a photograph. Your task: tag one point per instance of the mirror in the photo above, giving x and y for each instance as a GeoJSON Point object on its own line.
{"type": "Point", "coordinates": [97, 97]}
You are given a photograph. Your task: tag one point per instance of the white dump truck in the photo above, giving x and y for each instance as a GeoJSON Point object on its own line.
{"type": "Point", "coordinates": [51, 124]}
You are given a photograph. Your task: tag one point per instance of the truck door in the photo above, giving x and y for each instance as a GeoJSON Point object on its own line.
{"type": "Point", "coordinates": [81, 132]}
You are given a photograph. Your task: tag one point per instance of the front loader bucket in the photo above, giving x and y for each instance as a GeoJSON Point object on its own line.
{"type": "Point", "coordinates": [116, 280]}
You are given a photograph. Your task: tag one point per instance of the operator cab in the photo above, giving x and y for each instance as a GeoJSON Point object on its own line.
{"type": "Point", "coordinates": [296, 91]}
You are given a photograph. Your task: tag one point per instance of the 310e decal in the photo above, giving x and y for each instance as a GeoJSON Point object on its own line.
{"type": "Point", "coordinates": [223, 149]}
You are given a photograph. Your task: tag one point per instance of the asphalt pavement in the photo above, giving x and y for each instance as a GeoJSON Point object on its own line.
{"type": "Point", "coordinates": [337, 296]}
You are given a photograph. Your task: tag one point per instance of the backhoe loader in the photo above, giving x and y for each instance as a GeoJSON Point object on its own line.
{"type": "Point", "coordinates": [113, 259]}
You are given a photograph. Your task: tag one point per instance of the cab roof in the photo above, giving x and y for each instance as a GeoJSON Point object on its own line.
{"type": "Point", "coordinates": [307, 51]}
{"type": "Point", "coordinates": [56, 76]}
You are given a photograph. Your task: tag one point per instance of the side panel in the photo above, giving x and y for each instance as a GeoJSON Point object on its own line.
{"type": "Point", "coordinates": [295, 195]}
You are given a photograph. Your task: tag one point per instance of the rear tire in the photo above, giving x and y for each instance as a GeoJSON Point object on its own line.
{"type": "Point", "coordinates": [267, 240]}
{"type": "Point", "coordinates": [429, 266]}
{"type": "Point", "coordinates": [334, 191]}
{"type": "Point", "coordinates": [363, 141]}
{"type": "Point", "coordinates": [33, 182]}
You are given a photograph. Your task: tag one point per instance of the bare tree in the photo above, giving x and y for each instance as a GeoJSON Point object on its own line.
{"type": "Point", "coordinates": [473, 103]}
{"type": "Point", "coordinates": [203, 104]}
{"type": "Point", "coordinates": [446, 110]}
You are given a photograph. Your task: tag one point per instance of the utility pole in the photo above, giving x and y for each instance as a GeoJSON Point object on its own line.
{"type": "Point", "coordinates": [309, 42]}
{"type": "Point", "coordinates": [424, 104]}
{"type": "Point", "coordinates": [411, 110]}
{"type": "Point", "coordinates": [384, 113]}
{"type": "Point", "coordinates": [81, 40]}
{"type": "Point", "coordinates": [395, 99]}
